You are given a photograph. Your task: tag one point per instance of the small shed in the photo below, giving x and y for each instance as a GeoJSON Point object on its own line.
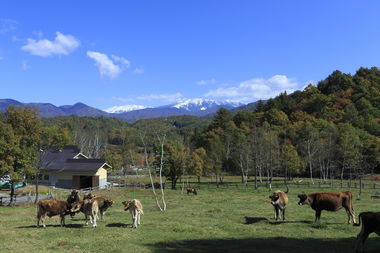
{"type": "Point", "coordinates": [68, 168]}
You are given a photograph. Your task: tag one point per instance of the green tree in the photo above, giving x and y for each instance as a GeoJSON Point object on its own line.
{"type": "Point", "coordinates": [175, 163]}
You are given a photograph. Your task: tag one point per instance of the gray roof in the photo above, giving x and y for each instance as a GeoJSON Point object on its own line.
{"type": "Point", "coordinates": [55, 159]}
{"type": "Point", "coordinates": [84, 164]}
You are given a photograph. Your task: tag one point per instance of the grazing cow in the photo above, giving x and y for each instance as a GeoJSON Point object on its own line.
{"type": "Point", "coordinates": [52, 208]}
{"type": "Point", "coordinates": [73, 198]}
{"type": "Point", "coordinates": [370, 223]}
{"type": "Point", "coordinates": [279, 200]}
{"type": "Point", "coordinates": [330, 201]}
{"type": "Point", "coordinates": [103, 204]}
{"type": "Point", "coordinates": [191, 190]}
{"type": "Point", "coordinates": [136, 209]}
{"type": "Point", "coordinates": [89, 208]}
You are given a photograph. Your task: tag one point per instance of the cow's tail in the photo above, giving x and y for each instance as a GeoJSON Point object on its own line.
{"type": "Point", "coordinates": [287, 189]}
{"type": "Point", "coordinates": [359, 219]}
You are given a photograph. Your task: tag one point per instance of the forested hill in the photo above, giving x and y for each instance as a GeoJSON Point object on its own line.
{"type": "Point", "coordinates": [340, 98]}
{"type": "Point", "coordinates": [330, 130]}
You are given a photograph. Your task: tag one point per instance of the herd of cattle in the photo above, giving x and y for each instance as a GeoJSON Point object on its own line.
{"type": "Point", "coordinates": [331, 201]}
{"type": "Point", "coordinates": [91, 206]}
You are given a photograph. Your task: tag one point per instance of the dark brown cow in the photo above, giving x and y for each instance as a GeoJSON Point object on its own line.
{"type": "Point", "coordinates": [329, 201]}
{"type": "Point", "coordinates": [370, 223]}
{"type": "Point", "coordinates": [279, 200]}
{"type": "Point", "coordinates": [191, 190]}
{"type": "Point", "coordinates": [73, 198]}
{"type": "Point", "coordinates": [52, 208]}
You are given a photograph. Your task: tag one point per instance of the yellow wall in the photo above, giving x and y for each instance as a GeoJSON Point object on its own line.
{"type": "Point", "coordinates": [102, 173]}
{"type": "Point", "coordinates": [68, 175]}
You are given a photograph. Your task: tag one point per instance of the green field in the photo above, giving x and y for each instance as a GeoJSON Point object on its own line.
{"type": "Point", "coordinates": [216, 220]}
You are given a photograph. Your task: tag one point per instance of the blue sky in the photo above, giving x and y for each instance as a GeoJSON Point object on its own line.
{"type": "Point", "coordinates": [107, 53]}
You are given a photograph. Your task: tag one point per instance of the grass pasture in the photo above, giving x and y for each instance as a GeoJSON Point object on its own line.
{"type": "Point", "coordinates": [216, 220]}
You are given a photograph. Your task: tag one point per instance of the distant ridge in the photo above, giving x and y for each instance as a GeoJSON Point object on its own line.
{"type": "Point", "coordinates": [193, 107]}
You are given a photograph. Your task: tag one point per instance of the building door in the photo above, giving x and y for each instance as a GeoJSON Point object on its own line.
{"type": "Point", "coordinates": [95, 181]}
{"type": "Point", "coordinates": [76, 182]}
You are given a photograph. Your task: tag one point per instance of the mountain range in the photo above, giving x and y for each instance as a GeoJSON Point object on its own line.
{"type": "Point", "coordinates": [129, 113]}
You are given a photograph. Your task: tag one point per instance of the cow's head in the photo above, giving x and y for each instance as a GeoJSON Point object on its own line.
{"type": "Point", "coordinates": [108, 202]}
{"type": "Point", "coordinates": [73, 197]}
{"type": "Point", "coordinates": [75, 207]}
{"type": "Point", "coordinates": [127, 204]}
{"type": "Point", "coordinates": [274, 197]}
{"type": "Point", "coordinates": [304, 200]}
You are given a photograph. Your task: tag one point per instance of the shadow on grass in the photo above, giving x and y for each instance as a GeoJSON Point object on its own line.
{"type": "Point", "coordinates": [265, 245]}
{"type": "Point", "coordinates": [118, 225]}
{"type": "Point", "coordinates": [54, 226]}
{"type": "Point", "coordinates": [252, 220]}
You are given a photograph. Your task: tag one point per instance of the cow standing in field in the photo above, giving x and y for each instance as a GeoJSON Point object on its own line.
{"type": "Point", "coordinates": [279, 200]}
{"type": "Point", "coordinates": [90, 209]}
{"type": "Point", "coordinates": [135, 207]}
{"type": "Point", "coordinates": [191, 190]}
{"type": "Point", "coordinates": [73, 198]}
{"type": "Point", "coordinates": [370, 222]}
{"type": "Point", "coordinates": [52, 208]}
{"type": "Point", "coordinates": [103, 205]}
{"type": "Point", "coordinates": [329, 201]}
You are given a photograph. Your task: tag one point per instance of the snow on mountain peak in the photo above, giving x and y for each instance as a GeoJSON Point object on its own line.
{"type": "Point", "coordinates": [204, 104]}
{"type": "Point", "coordinates": [125, 108]}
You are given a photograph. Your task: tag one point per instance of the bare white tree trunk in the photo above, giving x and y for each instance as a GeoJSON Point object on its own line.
{"type": "Point", "coordinates": [162, 142]}
{"type": "Point", "coordinates": [142, 136]}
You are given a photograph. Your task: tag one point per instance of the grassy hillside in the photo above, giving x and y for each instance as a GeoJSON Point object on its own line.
{"type": "Point", "coordinates": [216, 220]}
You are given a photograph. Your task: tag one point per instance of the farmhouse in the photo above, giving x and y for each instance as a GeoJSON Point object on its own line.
{"type": "Point", "coordinates": [68, 168]}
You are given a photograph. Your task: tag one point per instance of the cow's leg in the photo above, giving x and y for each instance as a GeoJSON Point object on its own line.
{"type": "Point", "coordinates": [86, 218]}
{"type": "Point", "coordinates": [277, 213]}
{"type": "Point", "coordinates": [318, 215]}
{"type": "Point", "coordinates": [283, 214]}
{"type": "Point", "coordinates": [63, 220]}
{"type": "Point", "coordinates": [101, 215]}
{"type": "Point", "coordinates": [139, 218]}
{"type": "Point", "coordinates": [351, 215]}
{"type": "Point", "coordinates": [94, 214]}
{"type": "Point", "coordinates": [40, 218]}
{"type": "Point", "coordinates": [360, 239]}
{"type": "Point", "coordinates": [274, 215]}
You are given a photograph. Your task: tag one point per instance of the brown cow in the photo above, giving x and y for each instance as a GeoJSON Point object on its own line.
{"type": "Point", "coordinates": [330, 201]}
{"type": "Point", "coordinates": [135, 207]}
{"type": "Point", "coordinates": [89, 207]}
{"type": "Point", "coordinates": [103, 204]}
{"type": "Point", "coordinates": [191, 190]}
{"type": "Point", "coordinates": [279, 200]}
{"type": "Point", "coordinates": [52, 208]}
{"type": "Point", "coordinates": [370, 223]}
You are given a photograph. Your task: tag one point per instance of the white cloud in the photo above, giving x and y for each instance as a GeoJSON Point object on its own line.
{"type": "Point", "coordinates": [163, 97]}
{"type": "Point", "coordinates": [124, 62]}
{"type": "Point", "coordinates": [138, 71]}
{"type": "Point", "coordinates": [206, 82]}
{"type": "Point", "coordinates": [256, 88]}
{"type": "Point", "coordinates": [62, 44]}
{"type": "Point", "coordinates": [107, 66]}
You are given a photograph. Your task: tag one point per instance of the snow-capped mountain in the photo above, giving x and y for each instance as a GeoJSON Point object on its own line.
{"type": "Point", "coordinates": [199, 104]}
{"type": "Point", "coordinates": [125, 108]}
